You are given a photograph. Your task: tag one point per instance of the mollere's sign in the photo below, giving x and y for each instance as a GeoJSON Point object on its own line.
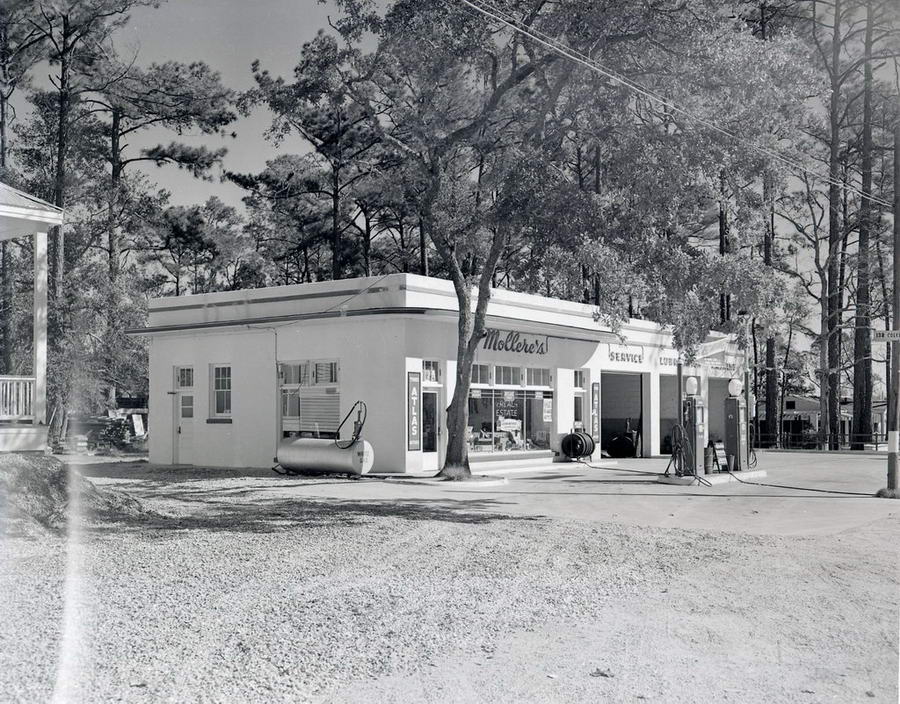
{"type": "Point", "coordinates": [512, 341]}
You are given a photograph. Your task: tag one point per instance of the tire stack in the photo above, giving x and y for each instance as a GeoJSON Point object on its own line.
{"type": "Point", "coordinates": [577, 444]}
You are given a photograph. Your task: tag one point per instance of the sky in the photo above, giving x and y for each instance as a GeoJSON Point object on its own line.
{"type": "Point", "coordinates": [228, 35]}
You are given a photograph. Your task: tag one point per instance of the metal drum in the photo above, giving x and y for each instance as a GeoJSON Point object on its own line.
{"type": "Point", "coordinates": [317, 455]}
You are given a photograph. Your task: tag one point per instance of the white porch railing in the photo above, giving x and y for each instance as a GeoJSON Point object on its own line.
{"type": "Point", "coordinates": [16, 398]}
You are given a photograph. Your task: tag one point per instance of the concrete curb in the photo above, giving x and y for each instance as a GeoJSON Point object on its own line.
{"type": "Point", "coordinates": [714, 479]}
{"type": "Point", "coordinates": [475, 483]}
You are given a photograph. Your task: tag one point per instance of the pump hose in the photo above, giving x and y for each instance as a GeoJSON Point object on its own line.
{"type": "Point", "coordinates": [357, 431]}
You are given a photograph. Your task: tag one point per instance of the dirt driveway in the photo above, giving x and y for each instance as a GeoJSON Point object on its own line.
{"type": "Point", "coordinates": [565, 586]}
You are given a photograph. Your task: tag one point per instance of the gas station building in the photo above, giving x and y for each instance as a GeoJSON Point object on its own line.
{"type": "Point", "coordinates": [234, 373]}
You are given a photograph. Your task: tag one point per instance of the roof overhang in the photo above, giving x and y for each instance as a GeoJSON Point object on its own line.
{"type": "Point", "coordinates": [24, 222]}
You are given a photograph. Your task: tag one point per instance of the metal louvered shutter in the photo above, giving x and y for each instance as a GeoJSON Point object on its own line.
{"type": "Point", "coordinates": [320, 410]}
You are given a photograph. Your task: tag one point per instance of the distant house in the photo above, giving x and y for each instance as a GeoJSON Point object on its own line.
{"type": "Point", "coordinates": [800, 422]}
{"type": "Point", "coordinates": [23, 399]}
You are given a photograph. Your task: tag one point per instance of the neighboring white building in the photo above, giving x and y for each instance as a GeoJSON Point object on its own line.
{"type": "Point", "coordinates": [233, 373]}
{"type": "Point", "coordinates": [23, 399]}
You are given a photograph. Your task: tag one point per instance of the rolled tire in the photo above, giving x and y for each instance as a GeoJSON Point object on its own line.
{"type": "Point", "coordinates": [573, 445]}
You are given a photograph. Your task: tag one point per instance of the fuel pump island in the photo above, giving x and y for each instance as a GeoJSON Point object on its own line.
{"type": "Point", "coordinates": [693, 461]}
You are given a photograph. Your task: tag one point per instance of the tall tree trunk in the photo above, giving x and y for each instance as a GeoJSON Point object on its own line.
{"type": "Point", "coordinates": [824, 404]}
{"type": "Point", "coordinates": [886, 297]}
{"type": "Point", "coordinates": [832, 390]}
{"type": "Point", "coordinates": [771, 372]}
{"type": "Point", "coordinates": [367, 243]}
{"type": "Point", "coordinates": [862, 341]}
{"type": "Point", "coordinates": [4, 107]}
{"type": "Point", "coordinates": [756, 384]}
{"type": "Point", "coordinates": [423, 249]}
{"type": "Point", "coordinates": [724, 297]}
{"type": "Point", "coordinates": [7, 309]}
{"type": "Point", "coordinates": [7, 293]}
{"type": "Point", "coordinates": [62, 145]}
{"type": "Point", "coordinates": [335, 224]}
{"type": "Point", "coordinates": [114, 305]}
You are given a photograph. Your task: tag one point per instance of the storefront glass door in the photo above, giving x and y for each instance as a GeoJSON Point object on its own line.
{"type": "Point", "coordinates": [430, 430]}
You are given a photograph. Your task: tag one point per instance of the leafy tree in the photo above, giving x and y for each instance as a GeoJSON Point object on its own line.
{"type": "Point", "coordinates": [318, 107]}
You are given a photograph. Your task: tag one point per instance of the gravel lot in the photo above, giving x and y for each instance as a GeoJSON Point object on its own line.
{"type": "Point", "coordinates": [237, 591]}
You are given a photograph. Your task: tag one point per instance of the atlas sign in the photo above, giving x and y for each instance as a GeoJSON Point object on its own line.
{"type": "Point", "coordinates": [511, 341]}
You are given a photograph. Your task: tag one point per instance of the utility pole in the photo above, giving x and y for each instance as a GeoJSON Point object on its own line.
{"type": "Point", "coordinates": [893, 405]}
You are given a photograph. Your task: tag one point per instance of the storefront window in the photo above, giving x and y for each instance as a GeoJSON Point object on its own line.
{"type": "Point", "coordinates": [509, 420]}
{"type": "Point", "coordinates": [537, 376]}
{"type": "Point", "coordinates": [481, 374]}
{"type": "Point", "coordinates": [507, 376]}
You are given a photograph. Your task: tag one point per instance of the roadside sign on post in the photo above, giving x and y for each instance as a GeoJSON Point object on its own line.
{"type": "Point", "coordinates": [885, 335]}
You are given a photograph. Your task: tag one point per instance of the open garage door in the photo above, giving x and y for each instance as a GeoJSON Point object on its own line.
{"type": "Point", "coordinates": [621, 413]}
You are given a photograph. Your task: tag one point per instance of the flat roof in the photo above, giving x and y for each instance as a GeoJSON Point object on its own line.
{"type": "Point", "coordinates": [391, 294]}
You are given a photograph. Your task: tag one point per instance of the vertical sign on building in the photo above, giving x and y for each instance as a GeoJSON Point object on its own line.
{"type": "Point", "coordinates": [595, 412]}
{"type": "Point", "coordinates": [413, 411]}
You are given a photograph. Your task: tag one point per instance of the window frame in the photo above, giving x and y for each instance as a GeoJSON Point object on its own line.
{"type": "Point", "coordinates": [178, 371]}
{"type": "Point", "coordinates": [490, 375]}
{"type": "Point", "coordinates": [215, 391]}
{"type": "Point", "coordinates": [548, 385]}
{"type": "Point", "coordinates": [514, 384]}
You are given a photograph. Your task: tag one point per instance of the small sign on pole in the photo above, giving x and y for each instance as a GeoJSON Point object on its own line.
{"type": "Point", "coordinates": [885, 335]}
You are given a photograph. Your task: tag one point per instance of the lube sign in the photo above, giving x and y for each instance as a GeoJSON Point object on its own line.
{"type": "Point", "coordinates": [512, 341]}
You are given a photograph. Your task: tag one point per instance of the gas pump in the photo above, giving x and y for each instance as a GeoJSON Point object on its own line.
{"type": "Point", "coordinates": [693, 420]}
{"type": "Point", "coordinates": [737, 447]}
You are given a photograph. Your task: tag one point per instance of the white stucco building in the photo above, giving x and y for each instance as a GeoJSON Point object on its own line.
{"type": "Point", "coordinates": [233, 373]}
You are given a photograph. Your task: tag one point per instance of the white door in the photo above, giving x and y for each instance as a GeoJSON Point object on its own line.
{"type": "Point", "coordinates": [184, 427]}
{"type": "Point", "coordinates": [431, 430]}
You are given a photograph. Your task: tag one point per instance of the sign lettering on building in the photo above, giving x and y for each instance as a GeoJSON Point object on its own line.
{"type": "Point", "coordinates": [595, 412]}
{"type": "Point", "coordinates": [629, 354]}
{"type": "Point", "coordinates": [512, 341]}
{"type": "Point", "coordinates": [413, 411]}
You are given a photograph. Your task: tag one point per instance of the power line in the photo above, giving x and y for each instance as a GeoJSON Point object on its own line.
{"type": "Point", "coordinates": [577, 57]}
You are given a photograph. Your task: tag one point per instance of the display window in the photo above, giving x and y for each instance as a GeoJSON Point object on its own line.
{"type": "Point", "coordinates": [506, 420]}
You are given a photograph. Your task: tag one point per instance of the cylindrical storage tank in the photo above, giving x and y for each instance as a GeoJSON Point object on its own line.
{"type": "Point", "coordinates": [317, 455]}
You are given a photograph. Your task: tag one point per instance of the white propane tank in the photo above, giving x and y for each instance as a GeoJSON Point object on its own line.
{"type": "Point", "coordinates": [318, 455]}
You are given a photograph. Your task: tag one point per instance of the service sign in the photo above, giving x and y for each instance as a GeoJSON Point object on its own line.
{"type": "Point", "coordinates": [625, 354]}
{"type": "Point", "coordinates": [414, 410]}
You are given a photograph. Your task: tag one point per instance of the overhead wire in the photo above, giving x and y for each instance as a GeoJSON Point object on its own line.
{"type": "Point", "coordinates": [580, 58]}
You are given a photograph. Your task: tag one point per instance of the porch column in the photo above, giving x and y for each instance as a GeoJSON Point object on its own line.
{"type": "Point", "coordinates": [40, 329]}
